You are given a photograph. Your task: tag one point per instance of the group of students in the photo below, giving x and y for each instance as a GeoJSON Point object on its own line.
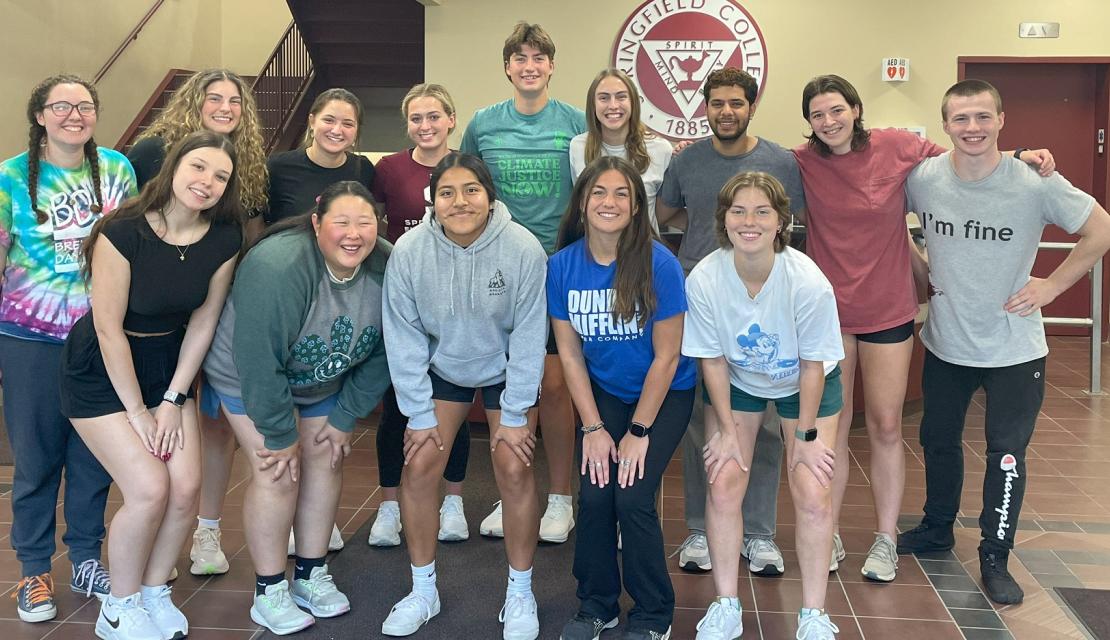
{"type": "Point", "coordinates": [526, 267]}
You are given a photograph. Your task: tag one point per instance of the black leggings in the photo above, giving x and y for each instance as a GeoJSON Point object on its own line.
{"type": "Point", "coordinates": [600, 510]}
{"type": "Point", "coordinates": [391, 446]}
{"type": "Point", "coordinates": [1014, 396]}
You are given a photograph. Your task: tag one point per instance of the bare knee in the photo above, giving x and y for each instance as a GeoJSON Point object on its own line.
{"type": "Point", "coordinates": [149, 494]}
{"type": "Point", "coordinates": [887, 432]}
{"type": "Point", "coordinates": [726, 491]}
{"type": "Point", "coordinates": [513, 477]}
{"type": "Point", "coordinates": [812, 502]}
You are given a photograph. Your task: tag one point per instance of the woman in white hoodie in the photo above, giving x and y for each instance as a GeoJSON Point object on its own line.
{"type": "Point", "coordinates": [465, 312]}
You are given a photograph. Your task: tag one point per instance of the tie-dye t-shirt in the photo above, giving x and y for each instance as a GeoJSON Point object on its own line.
{"type": "Point", "coordinates": [43, 292]}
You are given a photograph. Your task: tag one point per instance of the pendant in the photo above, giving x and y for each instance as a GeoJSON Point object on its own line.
{"type": "Point", "coordinates": [183, 258]}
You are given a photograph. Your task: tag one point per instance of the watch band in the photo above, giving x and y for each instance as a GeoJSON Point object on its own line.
{"type": "Point", "coordinates": [809, 435]}
{"type": "Point", "coordinates": [174, 397]}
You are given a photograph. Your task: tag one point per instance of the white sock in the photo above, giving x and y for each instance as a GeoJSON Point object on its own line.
{"type": "Point", "coordinates": [149, 592]}
{"type": "Point", "coordinates": [731, 602]}
{"type": "Point", "coordinates": [519, 581]}
{"type": "Point", "coordinates": [209, 524]}
{"type": "Point", "coordinates": [424, 581]}
{"type": "Point", "coordinates": [805, 613]}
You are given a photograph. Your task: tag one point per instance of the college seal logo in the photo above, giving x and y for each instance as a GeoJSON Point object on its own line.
{"type": "Point", "coordinates": [668, 47]}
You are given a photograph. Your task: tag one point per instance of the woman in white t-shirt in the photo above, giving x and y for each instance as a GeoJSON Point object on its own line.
{"type": "Point", "coordinates": [613, 128]}
{"type": "Point", "coordinates": [762, 323]}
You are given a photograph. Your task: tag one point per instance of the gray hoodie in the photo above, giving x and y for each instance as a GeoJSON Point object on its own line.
{"type": "Point", "coordinates": [476, 316]}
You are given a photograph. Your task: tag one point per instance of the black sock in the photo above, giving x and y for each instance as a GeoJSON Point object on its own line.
{"type": "Point", "coordinates": [261, 582]}
{"type": "Point", "coordinates": [302, 567]}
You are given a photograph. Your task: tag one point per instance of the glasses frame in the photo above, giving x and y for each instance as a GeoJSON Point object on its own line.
{"type": "Point", "coordinates": [84, 108]}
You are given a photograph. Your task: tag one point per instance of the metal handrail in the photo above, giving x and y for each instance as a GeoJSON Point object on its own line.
{"type": "Point", "coordinates": [131, 37]}
{"type": "Point", "coordinates": [1094, 322]}
{"type": "Point", "coordinates": [280, 85]}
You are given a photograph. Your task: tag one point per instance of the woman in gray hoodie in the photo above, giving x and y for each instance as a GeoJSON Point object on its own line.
{"type": "Point", "coordinates": [465, 312]}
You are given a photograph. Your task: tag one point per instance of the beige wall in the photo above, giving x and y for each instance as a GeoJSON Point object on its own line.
{"type": "Point", "coordinates": [39, 38]}
{"type": "Point", "coordinates": [804, 38]}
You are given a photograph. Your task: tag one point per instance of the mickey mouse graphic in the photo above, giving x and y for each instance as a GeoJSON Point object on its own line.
{"type": "Point", "coordinates": [759, 351]}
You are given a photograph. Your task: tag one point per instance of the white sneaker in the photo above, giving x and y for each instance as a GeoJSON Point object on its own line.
{"type": "Point", "coordinates": [386, 530]}
{"type": "Point", "coordinates": [558, 519]}
{"type": "Point", "coordinates": [125, 619]}
{"type": "Point", "coordinates": [816, 628]}
{"type": "Point", "coordinates": [492, 526]}
{"type": "Point", "coordinates": [693, 553]}
{"type": "Point", "coordinates": [519, 616]}
{"type": "Point", "coordinates": [721, 622]}
{"type": "Point", "coordinates": [319, 594]}
{"type": "Point", "coordinates": [408, 615]}
{"type": "Point", "coordinates": [276, 611]}
{"type": "Point", "coordinates": [764, 557]}
{"type": "Point", "coordinates": [335, 543]}
{"type": "Point", "coordinates": [452, 520]}
{"type": "Point", "coordinates": [882, 560]}
{"type": "Point", "coordinates": [838, 552]}
{"type": "Point", "coordinates": [167, 617]}
{"type": "Point", "coordinates": [207, 556]}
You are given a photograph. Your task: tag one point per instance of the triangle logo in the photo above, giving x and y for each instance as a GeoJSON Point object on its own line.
{"type": "Point", "coordinates": [683, 70]}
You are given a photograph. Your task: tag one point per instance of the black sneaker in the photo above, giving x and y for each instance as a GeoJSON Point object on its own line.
{"type": "Point", "coordinates": [646, 634]}
{"type": "Point", "coordinates": [585, 627]}
{"type": "Point", "coordinates": [997, 581]}
{"type": "Point", "coordinates": [91, 578]}
{"type": "Point", "coordinates": [926, 538]}
{"type": "Point", "coordinates": [35, 598]}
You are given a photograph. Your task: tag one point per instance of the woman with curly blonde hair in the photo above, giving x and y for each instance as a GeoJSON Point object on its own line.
{"type": "Point", "coordinates": [215, 100]}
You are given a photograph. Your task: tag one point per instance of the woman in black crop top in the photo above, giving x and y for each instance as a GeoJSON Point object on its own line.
{"type": "Point", "coordinates": [160, 270]}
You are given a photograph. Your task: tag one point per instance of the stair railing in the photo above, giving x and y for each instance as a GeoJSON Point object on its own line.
{"type": "Point", "coordinates": [131, 37]}
{"type": "Point", "coordinates": [281, 84]}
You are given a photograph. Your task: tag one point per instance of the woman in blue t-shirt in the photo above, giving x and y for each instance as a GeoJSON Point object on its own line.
{"type": "Point", "coordinates": [616, 300]}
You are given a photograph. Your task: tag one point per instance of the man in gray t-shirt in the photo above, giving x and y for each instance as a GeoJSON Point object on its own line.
{"type": "Point", "coordinates": [691, 184]}
{"type": "Point", "coordinates": [983, 214]}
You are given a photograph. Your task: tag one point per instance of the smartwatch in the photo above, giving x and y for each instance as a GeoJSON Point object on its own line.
{"type": "Point", "coordinates": [1018, 152]}
{"type": "Point", "coordinates": [174, 397]}
{"type": "Point", "coordinates": [809, 435]}
{"type": "Point", "coordinates": [638, 429]}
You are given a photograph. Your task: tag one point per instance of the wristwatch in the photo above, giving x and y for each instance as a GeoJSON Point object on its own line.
{"type": "Point", "coordinates": [638, 429]}
{"type": "Point", "coordinates": [809, 435]}
{"type": "Point", "coordinates": [174, 397]}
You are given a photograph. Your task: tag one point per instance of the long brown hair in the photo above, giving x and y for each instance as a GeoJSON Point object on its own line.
{"type": "Point", "coordinates": [36, 139]}
{"type": "Point", "coordinates": [182, 117]}
{"type": "Point", "coordinates": [633, 283]}
{"type": "Point", "coordinates": [634, 143]}
{"type": "Point", "coordinates": [158, 192]}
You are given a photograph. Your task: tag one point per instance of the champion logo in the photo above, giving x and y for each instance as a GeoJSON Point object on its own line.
{"type": "Point", "coordinates": [1009, 465]}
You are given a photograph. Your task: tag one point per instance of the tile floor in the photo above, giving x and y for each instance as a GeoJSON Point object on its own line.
{"type": "Point", "coordinates": [1063, 540]}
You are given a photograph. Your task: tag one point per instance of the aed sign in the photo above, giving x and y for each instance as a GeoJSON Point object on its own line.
{"type": "Point", "coordinates": [668, 47]}
{"type": "Point", "coordinates": [896, 69]}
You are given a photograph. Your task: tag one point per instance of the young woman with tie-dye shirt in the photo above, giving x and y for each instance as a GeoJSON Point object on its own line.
{"type": "Point", "coordinates": [50, 196]}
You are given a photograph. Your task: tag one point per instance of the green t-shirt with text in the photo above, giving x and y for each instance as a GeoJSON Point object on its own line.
{"type": "Point", "coordinates": [529, 158]}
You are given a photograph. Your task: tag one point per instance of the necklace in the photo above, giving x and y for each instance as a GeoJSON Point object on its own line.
{"type": "Point", "coordinates": [180, 252]}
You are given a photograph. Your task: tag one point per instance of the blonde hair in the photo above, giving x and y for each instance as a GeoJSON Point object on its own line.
{"type": "Point", "coordinates": [182, 117]}
{"type": "Point", "coordinates": [428, 90]}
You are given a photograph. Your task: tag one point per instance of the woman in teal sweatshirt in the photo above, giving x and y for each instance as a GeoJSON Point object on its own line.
{"type": "Point", "coordinates": [297, 358]}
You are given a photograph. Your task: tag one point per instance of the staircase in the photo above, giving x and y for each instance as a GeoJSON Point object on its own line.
{"type": "Point", "coordinates": [354, 44]}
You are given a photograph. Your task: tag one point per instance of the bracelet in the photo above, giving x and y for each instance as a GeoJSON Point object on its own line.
{"type": "Point", "coordinates": [1018, 152]}
{"type": "Point", "coordinates": [132, 416]}
{"type": "Point", "coordinates": [588, 429]}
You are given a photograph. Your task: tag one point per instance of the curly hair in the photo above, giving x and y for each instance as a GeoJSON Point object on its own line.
{"type": "Point", "coordinates": [36, 138]}
{"type": "Point", "coordinates": [182, 117]}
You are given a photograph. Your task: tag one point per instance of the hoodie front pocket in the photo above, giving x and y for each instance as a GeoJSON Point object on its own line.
{"type": "Point", "coordinates": [470, 370]}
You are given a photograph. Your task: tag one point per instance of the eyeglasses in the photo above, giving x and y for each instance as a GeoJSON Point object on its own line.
{"type": "Point", "coordinates": [62, 108]}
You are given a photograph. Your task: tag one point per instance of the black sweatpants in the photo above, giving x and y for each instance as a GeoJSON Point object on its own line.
{"type": "Point", "coordinates": [390, 441]}
{"type": "Point", "coordinates": [600, 509]}
{"type": "Point", "coordinates": [1014, 396]}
